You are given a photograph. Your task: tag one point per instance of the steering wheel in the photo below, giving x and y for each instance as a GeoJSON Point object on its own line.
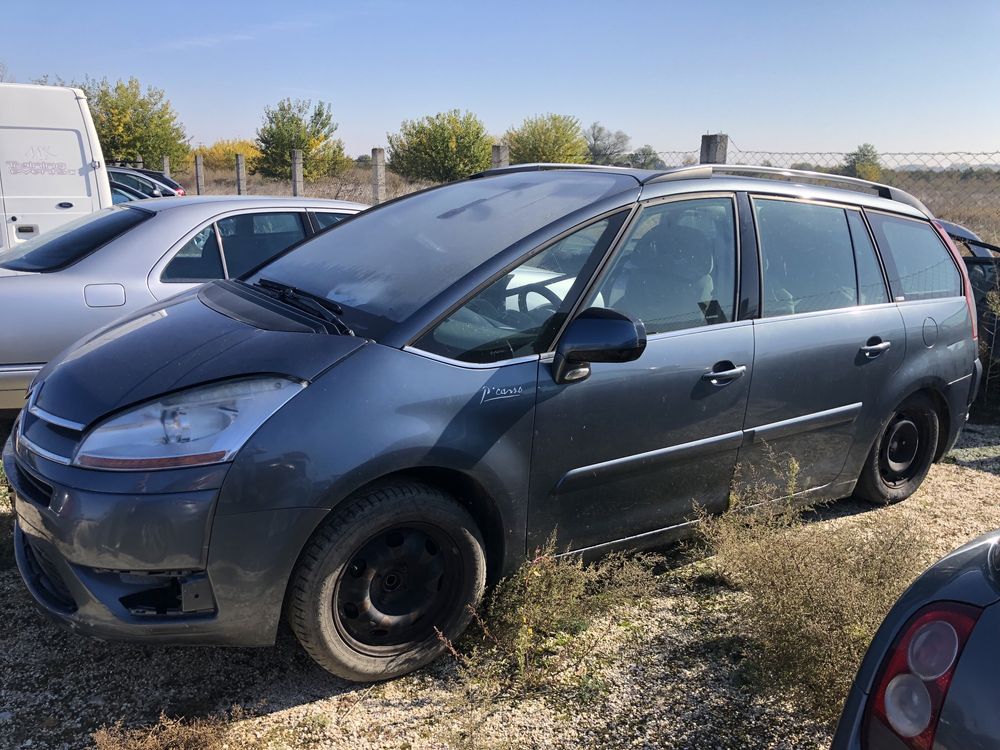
{"type": "Point", "coordinates": [524, 291]}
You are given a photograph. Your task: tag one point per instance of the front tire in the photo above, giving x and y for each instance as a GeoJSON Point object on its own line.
{"type": "Point", "coordinates": [386, 569]}
{"type": "Point", "coordinates": [902, 454]}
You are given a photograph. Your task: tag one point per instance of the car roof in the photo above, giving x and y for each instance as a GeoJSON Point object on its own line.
{"type": "Point", "coordinates": [723, 177]}
{"type": "Point", "coordinates": [247, 201]}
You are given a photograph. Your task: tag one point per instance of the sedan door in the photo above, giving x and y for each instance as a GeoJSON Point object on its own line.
{"type": "Point", "coordinates": [633, 449]}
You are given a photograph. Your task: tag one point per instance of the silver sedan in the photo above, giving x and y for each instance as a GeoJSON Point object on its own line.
{"type": "Point", "coordinates": [72, 280]}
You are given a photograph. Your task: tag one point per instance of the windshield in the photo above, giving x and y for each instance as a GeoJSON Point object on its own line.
{"type": "Point", "coordinates": [68, 243]}
{"type": "Point", "coordinates": [385, 265]}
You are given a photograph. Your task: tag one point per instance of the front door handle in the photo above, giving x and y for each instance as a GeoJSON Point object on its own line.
{"type": "Point", "coordinates": [718, 376]}
{"type": "Point", "coordinates": [874, 347]}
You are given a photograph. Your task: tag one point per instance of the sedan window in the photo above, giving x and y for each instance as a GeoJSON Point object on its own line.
{"type": "Point", "coordinates": [250, 240]}
{"type": "Point", "coordinates": [518, 314]}
{"type": "Point", "coordinates": [327, 219]}
{"type": "Point", "coordinates": [198, 260]}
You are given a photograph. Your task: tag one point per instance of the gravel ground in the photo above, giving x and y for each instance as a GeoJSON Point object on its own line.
{"type": "Point", "coordinates": [680, 689]}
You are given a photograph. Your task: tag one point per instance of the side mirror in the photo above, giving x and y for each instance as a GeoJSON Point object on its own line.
{"type": "Point", "coordinates": [597, 334]}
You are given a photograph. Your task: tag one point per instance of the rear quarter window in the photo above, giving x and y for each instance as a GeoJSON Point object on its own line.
{"type": "Point", "coordinates": [920, 265]}
{"type": "Point", "coordinates": [74, 241]}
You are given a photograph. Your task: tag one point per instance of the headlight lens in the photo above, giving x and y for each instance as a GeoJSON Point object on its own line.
{"type": "Point", "coordinates": [203, 425]}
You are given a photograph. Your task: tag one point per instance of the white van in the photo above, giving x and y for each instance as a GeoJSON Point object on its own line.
{"type": "Point", "coordinates": [51, 165]}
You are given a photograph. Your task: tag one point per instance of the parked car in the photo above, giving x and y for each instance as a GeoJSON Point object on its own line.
{"type": "Point", "coordinates": [364, 431]}
{"type": "Point", "coordinates": [87, 273]}
{"type": "Point", "coordinates": [929, 677]}
{"type": "Point", "coordinates": [124, 194]}
{"type": "Point", "coordinates": [160, 177]}
{"type": "Point", "coordinates": [51, 164]}
{"type": "Point", "coordinates": [136, 180]}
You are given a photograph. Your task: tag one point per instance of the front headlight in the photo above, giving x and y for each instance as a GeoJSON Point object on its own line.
{"type": "Point", "coordinates": [203, 425]}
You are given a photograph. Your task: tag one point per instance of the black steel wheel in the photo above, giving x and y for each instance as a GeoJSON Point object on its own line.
{"type": "Point", "coordinates": [389, 569]}
{"type": "Point", "coordinates": [902, 454]}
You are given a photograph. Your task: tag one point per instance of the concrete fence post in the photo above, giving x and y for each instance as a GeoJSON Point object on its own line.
{"type": "Point", "coordinates": [713, 148]}
{"type": "Point", "coordinates": [378, 175]}
{"type": "Point", "coordinates": [165, 166]}
{"type": "Point", "coordinates": [199, 174]}
{"type": "Point", "coordinates": [298, 183]}
{"type": "Point", "coordinates": [138, 163]}
{"type": "Point", "coordinates": [241, 174]}
{"type": "Point", "coordinates": [501, 156]}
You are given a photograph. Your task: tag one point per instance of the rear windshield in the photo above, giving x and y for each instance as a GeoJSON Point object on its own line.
{"type": "Point", "coordinates": [384, 265]}
{"type": "Point", "coordinates": [70, 242]}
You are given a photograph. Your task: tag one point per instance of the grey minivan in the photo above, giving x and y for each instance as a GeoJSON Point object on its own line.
{"type": "Point", "coordinates": [365, 431]}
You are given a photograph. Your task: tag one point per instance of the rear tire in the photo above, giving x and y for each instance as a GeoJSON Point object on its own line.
{"type": "Point", "coordinates": [386, 569]}
{"type": "Point", "coordinates": [902, 454]}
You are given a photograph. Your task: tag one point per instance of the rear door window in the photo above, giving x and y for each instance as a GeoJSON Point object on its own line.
{"type": "Point", "coordinates": [250, 240]}
{"type": "Point", "coordinates": [919, 263]}
{"type": "Point", "coordinates": [71, 242]}
{"type": "Point", "coordinates": [807, 257]}
{"type": "Point", "coordinates": [198, 260]}
{"type": "Point", "coordinates": [326, 219]}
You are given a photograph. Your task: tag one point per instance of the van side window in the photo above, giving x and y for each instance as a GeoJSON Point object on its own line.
{"type": "Point", "coordinates": [519, 313]}
{"type": "Point", "coordinates": [919, 263]}
{"type": "Point", "coordinates": [807, 257]}
{"type": "Point", "coordinates": [198, 260]}
{"type": "Point", "coordinates": [871, 284]}
{"type": "Point", "coordinates": [677, 269]}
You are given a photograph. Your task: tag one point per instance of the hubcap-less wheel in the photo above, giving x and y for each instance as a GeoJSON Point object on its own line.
{"type": "Point", "coordinates": [396, 589]}
{"type": "Point", "coordinates": [901, 447]}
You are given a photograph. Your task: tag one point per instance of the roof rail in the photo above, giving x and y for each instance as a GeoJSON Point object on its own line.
{"type": "Point", "coordinates": [541, 166]}
{"type": "Point", "coordinates": [704, 171]}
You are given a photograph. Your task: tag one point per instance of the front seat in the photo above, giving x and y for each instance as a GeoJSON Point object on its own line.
{"type": "Point", "coordinates": [670, 282]}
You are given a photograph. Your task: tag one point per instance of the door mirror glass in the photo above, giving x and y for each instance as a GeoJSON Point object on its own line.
{"type": "Point", "coordinates": [597, 334]}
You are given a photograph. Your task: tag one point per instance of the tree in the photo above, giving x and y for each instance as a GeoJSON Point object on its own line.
{"type": "Point", "coordinates": [547, 138]}
{"type": "Point", "coordinates": [443, 147]}
{"type": "Point", "coordinates": [604, 146]}
{"type": "Point", "coordinates": [864, 163]}
{"type": "Point", "coordinates": [133, 124]}
{"type": "Point", "coordinates": [645, 157]}
{"type": "Point", "coordinates": [222, 153]}
{"type": "Point", "coordinates": [299, 125]}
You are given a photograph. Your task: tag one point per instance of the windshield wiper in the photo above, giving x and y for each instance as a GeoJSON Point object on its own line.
{"type": "Point", "coordinates": [316, 305]}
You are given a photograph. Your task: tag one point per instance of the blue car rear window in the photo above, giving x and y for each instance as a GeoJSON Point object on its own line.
{"type": "Point", "coordinates": [66, 244]}
{"type": "Point", "coordinates": [384, 265]}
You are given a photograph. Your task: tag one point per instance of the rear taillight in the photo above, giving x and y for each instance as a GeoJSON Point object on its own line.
{"type": "Point", "coordinates": [914, 680]}
{"type": "Point", "coordinates": [179, 191]}
{"type": "Point", "coordinates": [970, 300]}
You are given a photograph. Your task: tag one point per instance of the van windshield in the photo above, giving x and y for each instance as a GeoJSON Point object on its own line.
{"type": "Point", "coordinates": [384, 265]}
{"type": "Point", "coordinates": [68, 243]}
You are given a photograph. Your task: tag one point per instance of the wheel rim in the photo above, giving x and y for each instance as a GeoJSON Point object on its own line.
{"type": "Point", "coordinates": [399, 586]}
{"type": "Point", "coordinates": [900, 455]}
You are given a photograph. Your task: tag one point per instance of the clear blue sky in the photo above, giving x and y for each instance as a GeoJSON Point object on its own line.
{"type": "Point", "coordinates": [775, 75]}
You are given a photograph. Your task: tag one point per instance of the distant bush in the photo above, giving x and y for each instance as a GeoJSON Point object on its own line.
{"type": "Point", "coordinates": [548, 138]}
{"type": "Point", "coordinates": [299, 125]}
{"type": "Point", "coordinates": [443, 147]}
{"type": "Point", "coordinates": [816, 594]}
{"type": "Point", "coordinates": [221, 155]}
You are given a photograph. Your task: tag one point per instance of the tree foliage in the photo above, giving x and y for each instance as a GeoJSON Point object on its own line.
{"type": "Point", "coordinates": [222, 153]}
{"type": "Point", "coordinates": [605, 146]}
{"type": "Point", "coordinates": [443, 147]}
{"type": "Point", "coordinates": [645, 157]}
{"type": "Point", "coordinates": [132, 123]}
{"type": "Point", "coordinates": [297, 124]}
{"type": "Point", "coordinates": [864, 162]}
{"type": "Point", "coordinates": [548, 138]}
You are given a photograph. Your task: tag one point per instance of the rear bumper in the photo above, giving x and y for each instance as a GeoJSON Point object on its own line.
{"type": "Point", "coordinates": [14, 382]}
{"type": "Point", "coordinates": [140, 566]}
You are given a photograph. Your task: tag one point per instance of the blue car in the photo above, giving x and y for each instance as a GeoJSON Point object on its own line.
{"type": "Point", "coordinates": [362, 433]}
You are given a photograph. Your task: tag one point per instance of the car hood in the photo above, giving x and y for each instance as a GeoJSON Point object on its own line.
{"type": "Point", "coordinates": [174, 345]}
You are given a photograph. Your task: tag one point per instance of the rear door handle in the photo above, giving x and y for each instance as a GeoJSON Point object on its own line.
{"type": "Point", "coordinates": [724, 377]}
{"type": "Point", "coordinates": [874, 347]}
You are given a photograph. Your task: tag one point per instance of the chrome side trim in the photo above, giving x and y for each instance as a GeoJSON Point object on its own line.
{"type": "Point", "coordinates": [471, 365]}
{"type": "Point", "coordinates": [51, 418]}
{"type": "Point", "coordinates": [806, 423]}
{"type": "Point", "coordinates": [605, 471]}
{"type": "Point", "coordinates": [629, 540]}
{"type": "Point", "coordinates": [49, 455]}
